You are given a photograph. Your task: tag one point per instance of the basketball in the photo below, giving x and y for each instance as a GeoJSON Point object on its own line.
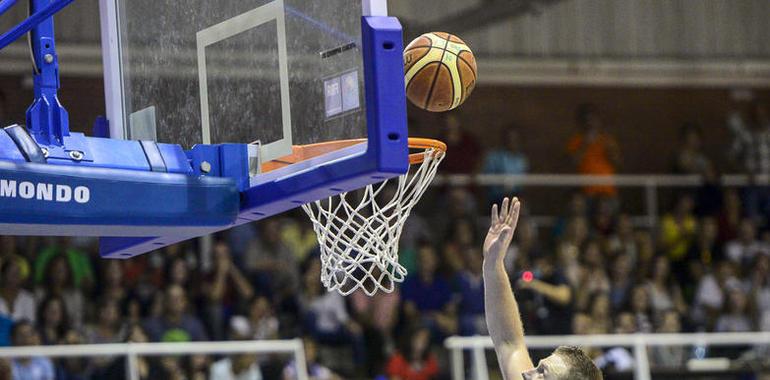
{"type": "Point", "coordinates": [440, 71]}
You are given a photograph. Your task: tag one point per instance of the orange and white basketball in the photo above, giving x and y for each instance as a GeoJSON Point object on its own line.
{"type": "Point", "coordinates": [440, 71]}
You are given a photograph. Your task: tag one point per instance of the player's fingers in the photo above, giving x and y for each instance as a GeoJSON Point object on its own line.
{"type": "Point", "coordinates": [513, 211]}
{"type": "Point", "coordinates": [494, 217]}
{"type": "Point", "coordinates": [504, 210]}
{"type": "Point", "coordinates": [514, 219]}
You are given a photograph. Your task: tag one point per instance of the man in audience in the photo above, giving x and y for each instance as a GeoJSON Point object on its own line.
{"type": "Point", "coordinates": [593, 150]}
{"type": "Point", "coordinates": [29, 368]}
{"type": "Point", "coordinates": [750, 151]}
{"type": "Point", "coordinates": [507, 159]}
{"type": "Point", "coordinates": [176, 323]}
{"type": "Point", "coordinates": [428, 297]}
{"type": "Point", "coordinates": [224, 288]}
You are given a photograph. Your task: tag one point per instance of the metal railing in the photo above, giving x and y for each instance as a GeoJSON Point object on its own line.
{"type": "Point", "coordinates": [132, 351]}
{"type": "Point", "coordinates": [639, 343]}
{"type": "Point", "coordinates": [650, 183]}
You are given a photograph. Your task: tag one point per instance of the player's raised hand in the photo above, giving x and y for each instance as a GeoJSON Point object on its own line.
{"type": "Point", "coordinates": [501, 229]}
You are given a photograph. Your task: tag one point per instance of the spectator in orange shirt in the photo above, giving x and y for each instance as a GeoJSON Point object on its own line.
{"type": "Point", "coordinates": [595, 152]}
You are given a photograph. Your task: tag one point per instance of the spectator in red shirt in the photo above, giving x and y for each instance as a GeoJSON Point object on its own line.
{"type": "Point", "coordinates": [413, 360]}
{"type": "Point", "coordinates": [465, 151]}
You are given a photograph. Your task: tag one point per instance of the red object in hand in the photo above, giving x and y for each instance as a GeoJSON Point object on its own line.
{"type": "Point", "coordinates": [527, 276]}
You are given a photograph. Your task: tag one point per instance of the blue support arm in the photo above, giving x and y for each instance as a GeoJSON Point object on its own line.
{"type": "Point", "coordinates": [37, 17]}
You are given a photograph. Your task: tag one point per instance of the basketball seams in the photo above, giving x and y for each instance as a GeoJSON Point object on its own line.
{"type": "Point", "coordinates": [446, 89]}
{"type": "Point", "coordinates": [435, 76]}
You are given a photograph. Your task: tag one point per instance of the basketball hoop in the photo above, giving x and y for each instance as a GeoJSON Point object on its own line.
{"type": "Point", "coordinates": [358, 232]}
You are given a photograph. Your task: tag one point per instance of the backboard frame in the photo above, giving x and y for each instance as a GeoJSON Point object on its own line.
{"type": "Point", "coordinates": [384, 155]}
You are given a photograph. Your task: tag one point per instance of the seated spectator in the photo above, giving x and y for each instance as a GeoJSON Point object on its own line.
{"type": "Point", "coordinates": [271, 263]}
{"type": "Point", "coordinates": [568, 251]}
{"type": "Point", "coordinates": [625, 323]}
{"type": "Point", "coordinates": [736, 317]}
{"type": "Point", "coordinates": [29, 368]}
{"type": "Point", "coordinates": [111, 281]}
{"type": "Point", "coordinates": [262, 321]}
{"type": "Point", "coordinates": [600, 312]}
{"type": "Point", "coordinates": [710, 294]}
{"type": "Point", "coordinates": [59, 284]}
{"type": "Point", "coordinates": [623, 241]}
{"type": "Point", "coordinates": [577, 208]}
{"type": "Point", "coordinates": [639, 305]}
{"type": "Point", "coordinates": [467, 151]}
{"type": "Point", "coordinates": [325, 315]}
{"type": "Point", "coordinates": [506, 159]}
{"type": "Point", "coordinates": [176, 324]}
{"type": "Point", "coordinates": [377, 315]}
{"type": "Point", "coordinates": [109, 328]}
{"type": "Point", "coordinates": [760, 287]}
{"type": "Point", "coordinates": [72, 368]}
{"type": "Point", "coordinates": [413, 360]}
{"type": "Point", "coordinates": [621, 281]}
{"type": "Point", "coordinates": [15, 302]}
{"type": "Point", "coordinates": [471, 295]}
{"type": "Point", "coordinates": [743, 249]}
{"type": "Point", "coordinates": [77, 260]}
{"type": "Point", "coordinates": [677, 233]}
{"type": "Point", "coordinates": [704, 253]}
{"type": "Point", "coordinates": [239, 366]}
{"type": "Point", "coordinates": [673, 356]}
{"type": "Point", "coordinates": [53, 320]}
{"type": "Point", "coordinates": [750, 151]}
{"type": "Point", "coordinates": [315, 370]}
{"type": "Point", "coordinates": [690, 158]}
{"type": "Point", "coordinates": [428, 296]}
{"type": "Point", "coordinates": [224, 288]}
{"type": "Point", "coordinates": [663, 289]}
{"type": "Point", "coordinates": [592, 276]}
{"type": "Point", "coordinates": [551, 297]}
{"type": "Point", "coordinates": [594, 151]}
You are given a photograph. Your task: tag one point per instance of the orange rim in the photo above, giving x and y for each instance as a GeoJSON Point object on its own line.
{"type": "Point", "coordinates": [304, 152]}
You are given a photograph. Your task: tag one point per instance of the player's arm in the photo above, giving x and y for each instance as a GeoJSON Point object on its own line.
{"type": "Point", "coordinates": [502, 311]}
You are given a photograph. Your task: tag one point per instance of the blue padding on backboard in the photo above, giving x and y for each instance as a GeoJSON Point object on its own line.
{"type": "Point", "coordinates": [386, 155]}
{"type": "Point", "coordinates": [39, 199]}
{"type": "Point", "coordinates": [8, 148]}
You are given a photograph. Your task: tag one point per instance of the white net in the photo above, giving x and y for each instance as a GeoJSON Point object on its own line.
{"type": "Point", "coordinates": [358, 232]}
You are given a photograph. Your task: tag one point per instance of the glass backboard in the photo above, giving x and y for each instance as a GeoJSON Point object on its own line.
{"type": "Point", "coordinates": [281, 72]}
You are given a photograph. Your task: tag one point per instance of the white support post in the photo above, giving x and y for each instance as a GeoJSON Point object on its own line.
{"type": "Point", "coordinates": [480, 364]}
{"type": "Point", "coordinates": [299, 358]}
{"type": "Point", "coordinates": [458, 365]}
{"type": "Point", "coordinates": [132, 364]}
{"type": "Point", "coordinates": [651, 202]}
{"type": "Point", "coordinates": [642, 367]}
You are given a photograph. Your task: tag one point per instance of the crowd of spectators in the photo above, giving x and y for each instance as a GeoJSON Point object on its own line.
{"type": "Point", "coordinates": [705, 267]}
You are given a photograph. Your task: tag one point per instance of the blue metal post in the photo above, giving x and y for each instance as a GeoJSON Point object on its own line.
{"type": "Point", "coordinates": [47, 119]}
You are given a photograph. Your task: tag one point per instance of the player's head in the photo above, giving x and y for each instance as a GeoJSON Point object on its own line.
{"type": "Point", "coordinates": [566, 363]}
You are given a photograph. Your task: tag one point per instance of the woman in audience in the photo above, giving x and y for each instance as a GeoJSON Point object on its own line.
{"type": "Point", "coordinates": [59, 283]}
{"type": "Point", "coordinates": [53, 320]}
{"type": "Point", "coordinates": [665, 293]}
{"type": "Point", "coordinates": [736, 317]}
{"type": "Point", "coordinates": [641, 308]}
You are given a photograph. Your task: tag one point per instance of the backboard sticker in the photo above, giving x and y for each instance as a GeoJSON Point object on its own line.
{"type": "Point", "coordinates": [273, 11]}
{"type": "Point", "coordinates": [350, 91]}
{"type": "Point", "coordinates": [142, 125]}
{"type": "Point", "coordinates": [333, 97]}
{"type": "Point", "coordinates": [342, 94]}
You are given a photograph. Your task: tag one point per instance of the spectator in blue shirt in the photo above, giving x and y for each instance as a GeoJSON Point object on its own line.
{"type": "Point", "coordinates": [505, 159]}
{"type": "Point", "coordinates": [471, 295]}
{"type": "Point", "coordinates": [29, 368]}
{"type": "Point", "coordinates": [428, 296]}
